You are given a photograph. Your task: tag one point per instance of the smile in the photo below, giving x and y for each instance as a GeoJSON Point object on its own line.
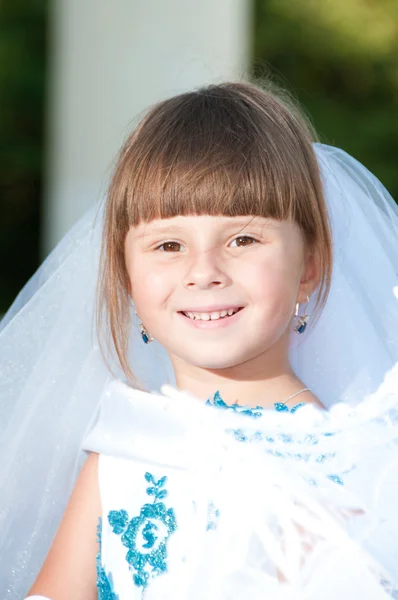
{"type": "Point", "coordinates": [211, 316]}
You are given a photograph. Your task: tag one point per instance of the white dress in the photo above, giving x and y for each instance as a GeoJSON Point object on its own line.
{"type": "Point", "coordinates": [205, 503]}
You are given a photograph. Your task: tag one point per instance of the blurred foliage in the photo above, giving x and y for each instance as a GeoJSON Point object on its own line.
{"type": "Point", "coordinates": [340, 59]}
{"type": "Point", "coordinates": [22, 88]}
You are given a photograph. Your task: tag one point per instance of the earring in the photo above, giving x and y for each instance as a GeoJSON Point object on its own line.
{"type": "Point", "coordinates": [302, 321]}
{"type": "Point", "coordinates": [146, 336]}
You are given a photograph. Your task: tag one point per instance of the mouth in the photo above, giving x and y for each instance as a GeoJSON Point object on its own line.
{"type": "Point", "coordinates": [213, 315]}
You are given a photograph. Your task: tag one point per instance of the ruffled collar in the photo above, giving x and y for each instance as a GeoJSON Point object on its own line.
{"type": "Point", "coordinates": [167, 428]}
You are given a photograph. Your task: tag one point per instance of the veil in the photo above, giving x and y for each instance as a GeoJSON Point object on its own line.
{"type": "Point", "coordinates": [52, 373]}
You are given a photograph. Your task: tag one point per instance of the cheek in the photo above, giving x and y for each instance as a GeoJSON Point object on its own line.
{"type": "Point", "coordinates": [150, 288]}
{"type": "Point", "coordinates": [274, 286]}
{"type": "Point", "coordinates": [275, 278]}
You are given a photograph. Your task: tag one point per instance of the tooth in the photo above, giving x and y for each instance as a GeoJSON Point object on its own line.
{"type": "Point", "coordinates": [205, 316]}
{"type": "Point", "coordinates": [213, 316]}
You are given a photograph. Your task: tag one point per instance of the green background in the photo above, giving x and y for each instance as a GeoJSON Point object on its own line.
{"type": "Point", "coordinates": [22, 105]}
{"type": "Point", "coordinates": [338, 57]}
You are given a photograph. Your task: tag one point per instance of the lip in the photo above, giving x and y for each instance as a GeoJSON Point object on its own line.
{"type": "Point", "coordinates": [212, 308]}
{"type": "Point", "coordinates": [216, 324]}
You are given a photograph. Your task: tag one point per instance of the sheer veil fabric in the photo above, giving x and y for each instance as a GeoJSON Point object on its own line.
{"type": "Point", "coordinates": [52, 374]}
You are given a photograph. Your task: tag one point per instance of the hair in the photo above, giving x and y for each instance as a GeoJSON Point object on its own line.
{"type": "Point", "coordinates": [228, 149]}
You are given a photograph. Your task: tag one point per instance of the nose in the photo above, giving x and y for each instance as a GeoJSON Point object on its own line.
{"type": "Point", "coordinates": [205, 271]}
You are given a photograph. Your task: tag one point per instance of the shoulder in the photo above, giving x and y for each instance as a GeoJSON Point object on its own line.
{"type": "Point", "coordinates": [140, 426]}
{"type": "Point", "coordinates": [88, 477]}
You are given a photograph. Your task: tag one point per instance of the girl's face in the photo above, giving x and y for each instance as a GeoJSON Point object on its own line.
{"type": "Point", "coordinates": [187, 271]}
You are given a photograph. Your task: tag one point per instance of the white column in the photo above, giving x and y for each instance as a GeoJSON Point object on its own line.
{"type": "Point", "coordinates": [109, 60]}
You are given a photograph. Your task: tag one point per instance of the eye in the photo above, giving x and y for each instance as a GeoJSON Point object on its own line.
{"type": "Point", "coordinates": [170, 247]}
{"type": "Point", "coordinates": [243, 240]}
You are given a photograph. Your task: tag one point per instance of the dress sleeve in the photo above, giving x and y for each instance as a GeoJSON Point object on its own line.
{"type": "Point", "coordinates": [112, 425]}
{"type": "Point", "coordinates": [139, 425]}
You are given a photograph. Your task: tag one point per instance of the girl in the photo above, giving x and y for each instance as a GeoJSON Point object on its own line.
{"type": "Point", "coordinates": [263, 266]}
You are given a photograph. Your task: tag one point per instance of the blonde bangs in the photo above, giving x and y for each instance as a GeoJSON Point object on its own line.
{"type": "Point", "coordinates": [215, 181]}
{"type": "Point", "coordinates": [209, 153]}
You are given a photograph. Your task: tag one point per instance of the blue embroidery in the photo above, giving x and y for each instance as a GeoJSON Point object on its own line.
{"type": "Point", "coordinates": [146, 536]}
{"type": "Point", "coordinates": [217, 401]}
{"type": "Point", "coordinates": [281, 407]}
{"type": "Point", "coordinates": [104, 583]}
{"type": "Point", "coordinates": [255, 412]}
{"type": "Point", "coordinates": [242, 436]}
{"type": "Point", "coordinates": [212, 516]}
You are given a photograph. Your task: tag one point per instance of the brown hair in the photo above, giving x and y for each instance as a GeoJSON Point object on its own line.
{"type": "Point", "coordinates": [226, 149]}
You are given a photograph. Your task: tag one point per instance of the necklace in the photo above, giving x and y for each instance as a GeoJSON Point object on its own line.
{"type": "Point", "coordinates": [293, 396]}
{"type": "Point", "coordinates": [281, 406]}
{"type": "Point", "coordinates": [306, 389]}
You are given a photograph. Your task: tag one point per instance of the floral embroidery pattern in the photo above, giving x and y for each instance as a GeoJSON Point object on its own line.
{"type": "Point", "coordinates": [212, 516]}
{"type": "Point", "coordinates": [217, 401]}
{"type": "Point", "coordinates": [104, 583]}
{"type": "Point", "coordinates": [146, 535]}
{"type": "Point", "coordinates": [242, 436]}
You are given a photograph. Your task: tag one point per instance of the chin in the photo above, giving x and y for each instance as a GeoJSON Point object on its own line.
{"type": "Point", "coordinates": [216, 362]}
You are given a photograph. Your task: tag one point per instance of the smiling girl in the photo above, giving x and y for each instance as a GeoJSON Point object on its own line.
{"type": "Point", "coordinates": [217, 234]}
{"type": "Point", "coordinates": [217, 280]}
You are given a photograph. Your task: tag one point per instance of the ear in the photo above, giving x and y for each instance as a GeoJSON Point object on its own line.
{"type": "Point", "coordinates": [310, 277]}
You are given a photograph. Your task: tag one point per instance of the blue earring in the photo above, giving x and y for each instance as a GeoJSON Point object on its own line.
{"type": "Point", "coordinates": [146, 336]}
{"type": "Point", "coordinates": [302, 321]}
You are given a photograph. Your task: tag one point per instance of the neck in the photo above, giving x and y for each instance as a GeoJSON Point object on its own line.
{"type": "Point", "coordinates": [261, 381]}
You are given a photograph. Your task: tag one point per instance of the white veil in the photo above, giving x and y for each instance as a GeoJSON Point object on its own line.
{"type": "Point", "coordinates": [52, 373]}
